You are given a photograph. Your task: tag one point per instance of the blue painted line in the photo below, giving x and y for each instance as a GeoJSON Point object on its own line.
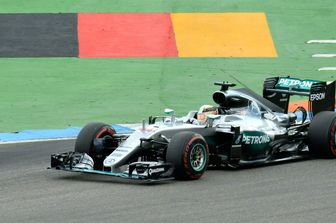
{"type": "Point", "coordinates": [42, 134]}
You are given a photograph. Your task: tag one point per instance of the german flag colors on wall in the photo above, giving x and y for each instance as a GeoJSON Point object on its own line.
{"type": "Point", "coordinates": [97, 35]}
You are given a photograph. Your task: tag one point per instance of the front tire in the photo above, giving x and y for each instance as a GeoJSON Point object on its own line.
{"type": "Point", "coordinates": [85, 141]}
{"type": "Point", "coordinates": [322, 135]}
{"type": "Point", "coordinates": [189, 153]}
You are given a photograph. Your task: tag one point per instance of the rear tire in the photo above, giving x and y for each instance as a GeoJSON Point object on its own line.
{"type": "Point", "coordinates": [85, 141]}
{"type": "Point", "coordinates": [189, 153]}
{"type": "Point", "coordinates": [322, 135]}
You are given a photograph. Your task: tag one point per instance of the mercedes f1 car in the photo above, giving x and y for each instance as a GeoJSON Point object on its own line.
{"type": "Point", "coordinates": [243, 129]}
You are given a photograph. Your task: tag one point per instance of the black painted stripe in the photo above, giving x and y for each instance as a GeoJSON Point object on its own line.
{"type": "Point", "coordinates": [38, 35]}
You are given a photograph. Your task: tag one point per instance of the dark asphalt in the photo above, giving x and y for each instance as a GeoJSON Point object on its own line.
{"type": "Point", "coordinates": [297, 192]}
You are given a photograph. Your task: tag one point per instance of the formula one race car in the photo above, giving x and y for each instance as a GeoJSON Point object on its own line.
{"type": "Point", "coordinates": [243, 129]}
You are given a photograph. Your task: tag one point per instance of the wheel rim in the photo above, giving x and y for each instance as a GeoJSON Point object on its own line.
{"type": "Point", "coordinates": [198, 157]}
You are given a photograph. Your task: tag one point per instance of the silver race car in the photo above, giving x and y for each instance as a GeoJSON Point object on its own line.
{"type": "Point", "coordinates": [243, 129]}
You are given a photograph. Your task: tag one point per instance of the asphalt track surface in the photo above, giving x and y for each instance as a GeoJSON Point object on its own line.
{"type": "Point", "coordinates": [302, 191]}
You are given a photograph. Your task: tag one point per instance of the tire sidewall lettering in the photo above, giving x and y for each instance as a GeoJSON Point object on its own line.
{"type": "Point", "coordinates": [104, 130]}
{"type": "Point", "coordinates": [332, 139]}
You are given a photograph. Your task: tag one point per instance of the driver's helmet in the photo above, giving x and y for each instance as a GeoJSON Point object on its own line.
{"type": "Point", "coordinates": [204, 111]}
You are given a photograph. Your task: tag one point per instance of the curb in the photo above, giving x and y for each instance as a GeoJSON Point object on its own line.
{"type": "Point", "coordinates": [52, 134]}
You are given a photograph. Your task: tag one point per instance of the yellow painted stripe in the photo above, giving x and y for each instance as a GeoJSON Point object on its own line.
{"type": "Point", "coordinates": [222, 35]}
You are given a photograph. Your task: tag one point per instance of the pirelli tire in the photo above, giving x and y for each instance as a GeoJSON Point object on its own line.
{"type": "Point", "coordinates": [85, 141]}
{"type": "Point", "coordinates": [321, 135]}
{"type": "Point", "coordinates": [189, 154]}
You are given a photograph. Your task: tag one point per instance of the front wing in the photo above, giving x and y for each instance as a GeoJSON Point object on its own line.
{"type": "Point", "coordinates": [139, 171]}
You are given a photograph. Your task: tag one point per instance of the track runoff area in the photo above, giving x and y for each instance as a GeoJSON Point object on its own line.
{"type": "Point", "coordinates": [135, 35]}
{"type": "Point", "coordinates": [108, 35]}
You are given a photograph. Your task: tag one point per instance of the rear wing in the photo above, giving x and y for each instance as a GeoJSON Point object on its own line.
{"type": "Point", "coordinates": [321, 94]}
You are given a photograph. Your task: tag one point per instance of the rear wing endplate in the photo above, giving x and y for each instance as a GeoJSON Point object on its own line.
{"type": "Point", "coordinates": [321, 94]}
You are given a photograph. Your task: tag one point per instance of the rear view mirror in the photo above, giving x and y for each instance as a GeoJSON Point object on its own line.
{"type": "Point", "coordinates": [169, 111]}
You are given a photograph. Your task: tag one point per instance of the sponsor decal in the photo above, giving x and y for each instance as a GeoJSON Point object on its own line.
{"type": "Point", "coordinates": [122, 150]}
{"type": "Point", "coordinates": [156, 170]}
{"type": "Point", "coordinates": [108, 161]}
{"type": "Point", "coordinates": [255, 145]}
{"type": "Point", "coordinates": [238, 140]}
{"type": "Point", "coordinates": [317, 96]}
{"type": "Point", "coordinates": [255, 140]}
{"type": "Point", "coordinates": [117, 154]}
{"type": "Point", "coordinates": [295, 84]}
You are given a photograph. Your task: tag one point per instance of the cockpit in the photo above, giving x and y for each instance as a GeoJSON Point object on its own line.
{"type": "Point", "coordinates": [236, 105]}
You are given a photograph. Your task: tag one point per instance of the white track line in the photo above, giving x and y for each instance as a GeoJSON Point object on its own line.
{"type": "Point", "coordinates": [35, 140]}
{"type": "Point", "coordinates": [324, 55]}
{"type": "Point", "coordinates": [327, 68]}
{"type": "Point", "coordinates": [332, 41]}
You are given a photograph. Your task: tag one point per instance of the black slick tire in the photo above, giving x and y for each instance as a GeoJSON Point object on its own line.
{"type": "Point", "coordinates": [189, 153]}
{"type": "Point", "coordinates": [85, 141]}
{"type": "Point", "coordinates": [322, 135]}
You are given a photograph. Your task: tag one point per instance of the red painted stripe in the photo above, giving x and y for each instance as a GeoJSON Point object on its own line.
{"type": "Point", "coordinates": [126, 35]}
